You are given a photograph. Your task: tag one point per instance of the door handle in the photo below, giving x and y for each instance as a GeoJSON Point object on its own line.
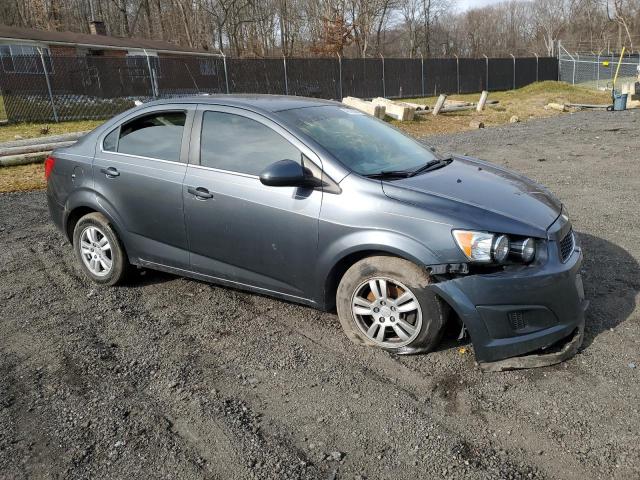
{"type": "Point", "coordinates": [200, 192]}
{"type": "Point", "coordinates": [110, 172]}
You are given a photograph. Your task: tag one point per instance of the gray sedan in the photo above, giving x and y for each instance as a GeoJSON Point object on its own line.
{"type": "Point", "coordinates": [316, 203]}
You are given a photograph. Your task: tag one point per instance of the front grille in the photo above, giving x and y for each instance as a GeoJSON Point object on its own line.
{"type": "Point", "coordinates": [516, 320]}
{"type": "Point", "coordinates": [567, 244]}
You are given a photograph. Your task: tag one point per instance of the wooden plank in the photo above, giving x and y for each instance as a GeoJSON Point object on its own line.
{"type": "Point", "coordinates": [439, 104]}
{"type": "Point", "coordinates": [365, 107]}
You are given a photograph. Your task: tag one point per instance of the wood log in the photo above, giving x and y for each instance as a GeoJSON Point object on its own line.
{"type": "Point", "coordinates": [556, 106]}
{"type": "Point", "coordinates": [365, 107]}
{"type": "Point", "coordinates": [66, 137]}
{"type": "Point", "coordinates": [456, 108]}
{"type": "Point", "coordinates": [439, 104]}
{"type": "Point", "coordinates": [418, 106]}
{"type": "Point", "coordinates": [395, 110]}
{"type": "Point", "coordinates": [482, 101]}
{"type": "Point", "coordinates": [24, 159]}
{"type": "Point", "coordinates": [45, 147]}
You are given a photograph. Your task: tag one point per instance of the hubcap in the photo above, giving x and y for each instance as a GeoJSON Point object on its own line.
{"type": "Point", "coordinates": [387, 312]}
{"type": "Point", "coordinates": [95, 250]}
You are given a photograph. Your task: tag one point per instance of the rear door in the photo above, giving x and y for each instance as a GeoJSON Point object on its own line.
{"type": "Point", "coordinates": [138, 172]}
{"type": "Point", "coordinates": [239, 229]}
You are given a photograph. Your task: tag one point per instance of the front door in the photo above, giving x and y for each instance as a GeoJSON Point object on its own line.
{"type": "Point", "coordinates": [138, 172]}
{"type": "Point", "coordinates": [240, 230]}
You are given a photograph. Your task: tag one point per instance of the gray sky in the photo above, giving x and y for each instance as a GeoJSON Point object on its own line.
{"type": "Point", "coordinates": [467, 4]}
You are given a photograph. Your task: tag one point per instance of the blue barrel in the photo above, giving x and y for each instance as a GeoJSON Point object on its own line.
{"type": "Point", "coordinates": [619, 101]}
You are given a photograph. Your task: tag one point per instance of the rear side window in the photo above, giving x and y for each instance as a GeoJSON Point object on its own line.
{"type": "Point", "coordinates": [157, 135]}
{"type": "Point", "coordinates": [240, 144]}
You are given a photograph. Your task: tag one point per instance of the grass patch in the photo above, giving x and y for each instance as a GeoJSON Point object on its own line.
{"type": "Point", "coordinates": [525, 103]}
{"type": "Point", "coordinates": [3, 112]}
{"type": "Point", "coordinates": [31, 130]}
{"type": "Point", "coordinates": [22, 177]}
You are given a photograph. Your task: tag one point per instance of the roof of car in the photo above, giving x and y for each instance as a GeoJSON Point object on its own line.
{"type": "Point", "coordinates": [269, 103]}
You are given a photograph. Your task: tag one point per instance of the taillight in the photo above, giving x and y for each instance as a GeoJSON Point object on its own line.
{"type": "Point", "coordinates": [48, 166]}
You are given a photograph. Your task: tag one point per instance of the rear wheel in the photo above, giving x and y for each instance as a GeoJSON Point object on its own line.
{"type": "Point", "coordinates": [99, 250]}
{"type": "Point", "coordinates": [385, 302]}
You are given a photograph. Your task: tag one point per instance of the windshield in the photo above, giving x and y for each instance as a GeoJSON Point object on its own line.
{"type": "Point", "coordinates": [362, 143]}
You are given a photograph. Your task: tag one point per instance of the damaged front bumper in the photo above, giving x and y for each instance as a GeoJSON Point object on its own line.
{"type": "Point", "coordinates": [546, 357]}
{"type": "Point", "coordinates": [537, 309]}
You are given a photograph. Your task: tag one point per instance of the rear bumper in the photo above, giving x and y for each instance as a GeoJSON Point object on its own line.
{"type": "Point", "coordinates": [522, 310]}
{"type": "Point", "coordinates": [56, 213]}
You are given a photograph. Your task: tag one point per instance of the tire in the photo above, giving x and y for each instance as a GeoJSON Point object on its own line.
{"type": "Point", "coordinates": [413, 324]}
{"type": "Point", "coordinates": [89, 237]}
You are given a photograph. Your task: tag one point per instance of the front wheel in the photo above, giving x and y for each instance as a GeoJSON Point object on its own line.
{"type": "Point", "coordinates": [385, 302]}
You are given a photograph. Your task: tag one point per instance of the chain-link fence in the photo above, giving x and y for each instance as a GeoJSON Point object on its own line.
{"type": "Point", "coordinates": [43, 88]}
{"type": "Point", "coordinates": [597, 70]}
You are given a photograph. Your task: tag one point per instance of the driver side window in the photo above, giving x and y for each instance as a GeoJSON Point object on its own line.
{"type": "Point", "coordinates": [239, 144]}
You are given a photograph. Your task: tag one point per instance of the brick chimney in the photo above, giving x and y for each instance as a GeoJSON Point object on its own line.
{"type": "Point", "coordinates": [97, 27]}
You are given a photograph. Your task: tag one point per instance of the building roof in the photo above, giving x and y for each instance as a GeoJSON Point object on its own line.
{"type": "Point", "coordinates": [83, 39]}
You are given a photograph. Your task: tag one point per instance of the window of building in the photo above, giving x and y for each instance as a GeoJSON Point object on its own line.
{"type": "Point", "coordinates": [24, 59]}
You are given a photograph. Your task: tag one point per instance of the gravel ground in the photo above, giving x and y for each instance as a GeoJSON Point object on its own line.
{"type": "Point", "coordinates": [168, 377]}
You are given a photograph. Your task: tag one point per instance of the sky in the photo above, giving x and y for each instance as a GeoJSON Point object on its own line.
{"type": "Point", "coordinates": [463, 5]}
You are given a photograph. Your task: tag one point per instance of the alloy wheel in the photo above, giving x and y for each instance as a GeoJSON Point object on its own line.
{"type": "Point", "coordinates": [387, 312]}
{"type": "Point", "coordinates": [96, 251]}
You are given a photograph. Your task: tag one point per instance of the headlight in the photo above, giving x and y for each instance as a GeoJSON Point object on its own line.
{"type": "Point", "coordinates": [500, 250]}
{"type": "Point", "coordinates": [476, 246]}
{"type": "Point", "coordinates": [490, 247]}
{"type": "Point", "coordinates": [524, 250]}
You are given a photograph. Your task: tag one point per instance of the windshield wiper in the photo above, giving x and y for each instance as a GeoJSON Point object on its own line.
{"type": "Point", "coordinates": [427, 167]}
{"type": "Point", "coordinates": [431, 165]}
{"type": "Point", "coordinates": [385, 174]}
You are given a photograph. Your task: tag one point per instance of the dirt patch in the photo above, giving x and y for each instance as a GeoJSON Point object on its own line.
{"type": "Point", "coordinates": [172, 377]}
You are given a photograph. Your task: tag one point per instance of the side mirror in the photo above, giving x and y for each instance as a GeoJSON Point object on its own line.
{"type": "Point", "coordinates": [287, 173]}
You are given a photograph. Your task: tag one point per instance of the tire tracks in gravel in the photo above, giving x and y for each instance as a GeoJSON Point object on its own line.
{"type": "Point", "coordinates": [414, 385]}
{"type": "Point", "coordinates": [225, 428]}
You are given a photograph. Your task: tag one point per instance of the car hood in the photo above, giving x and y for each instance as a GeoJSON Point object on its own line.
{"type": "Point", "coordinates": [496, 198]}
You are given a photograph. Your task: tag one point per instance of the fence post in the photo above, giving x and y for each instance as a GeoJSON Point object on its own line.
{"type": "Point", "coordinates": [422, 72]}
{"type": "Point", "coordinates": [457, 72]}
{"type": "Point", "coordinates": [340, 74]}
{"type": "Point", "coordinates": [384, 87]}
{"type": "Point", "coordinates": [598, 73]}
{"type": "Point", "coordinates": [46, 76]}
{"type": "Point", "coordinates": [559, 59]}
{"type": "Point", "coordinates": [486, 61]}
{"type": "Point", "coordinates": [151, 78]}
{"type": "Point", "coordinates": [286, 83]}
{"type": "Point", "coordinates": [514, 70]}
{"type": "Point", "coordinates": [574, 72]}
{"type": "Point", "coordinates": [537, 66]}
{"type": "Point", "coordinates": [226, 76]}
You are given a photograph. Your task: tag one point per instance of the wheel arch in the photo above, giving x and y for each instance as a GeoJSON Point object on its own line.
{"type": "Point", "coordinates": [337, 271]}
{"type": "Point", "coordinates": [84, 202]}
